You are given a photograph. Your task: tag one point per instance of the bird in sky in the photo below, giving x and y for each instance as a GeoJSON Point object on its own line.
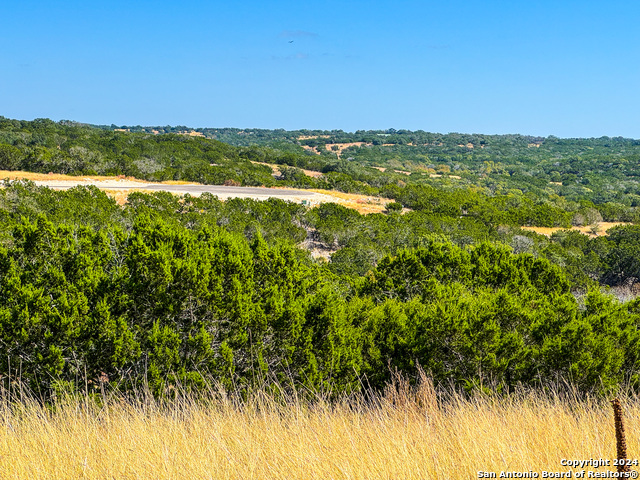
{"type": "Point", "coordinates": [290, 41]}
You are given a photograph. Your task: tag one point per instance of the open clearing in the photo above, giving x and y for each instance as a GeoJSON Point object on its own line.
{"type": "Point", "coordinates": [596, 230]}
{"type": "Point", "coordinates": [120, 187]}
{"type": "Point", "coordinates": [277, 170]}
{"type": "Point", "coordinates": [362, 203]}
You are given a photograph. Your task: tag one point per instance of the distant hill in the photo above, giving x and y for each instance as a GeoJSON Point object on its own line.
{"type": "Point", "coordinates": [570, 174]}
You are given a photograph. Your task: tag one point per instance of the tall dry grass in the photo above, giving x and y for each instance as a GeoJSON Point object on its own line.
{"type": "Point", "coordinates": [402, 434]}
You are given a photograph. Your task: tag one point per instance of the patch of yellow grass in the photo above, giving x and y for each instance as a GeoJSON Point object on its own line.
{"type": "Point", "coordinates": [121, 196]}
{"type": "Point", "coordinates": [362, 203]}
{"type": "Point", "coordinates": [43, 177]}
{"type": "Point", "coordinates": [311, 149]}
{"type": "Point", "coordinates": [397, 436]}
{"type": "Point", "coordinates": [340, 147]}
{"type": "Point", "coordinates": [596, 230]}
{"type": "Point", "coordinates": [309, 137]}
{"type": "Point", "coordinates": [276, 169]}
{"type": "Point", "coordinates": [52, 177]}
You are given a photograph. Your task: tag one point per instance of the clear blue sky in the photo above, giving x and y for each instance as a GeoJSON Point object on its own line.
{"type": "Point", "coordinates": [564, 68]}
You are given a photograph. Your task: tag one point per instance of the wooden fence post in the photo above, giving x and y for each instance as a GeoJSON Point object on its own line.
{"type": "Point", "coordinates": [621, 442]}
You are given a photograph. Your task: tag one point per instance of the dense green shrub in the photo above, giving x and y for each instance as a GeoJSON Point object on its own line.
{"type": "Point", "coordinates": [159, 294]}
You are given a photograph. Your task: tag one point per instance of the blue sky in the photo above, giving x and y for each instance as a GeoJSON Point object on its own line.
{"type": "Point", "coordinates": [564, 68]}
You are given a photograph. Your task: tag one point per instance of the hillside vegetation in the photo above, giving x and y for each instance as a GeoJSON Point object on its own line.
{"type": "Point", "coordinates": [541, 181]}
{"type": "Point", "coordinates": [173, 292]}
{"type": "Point", "coordinates": [601, 170]}
{"type": "Point", "coordinates": [169, 291]}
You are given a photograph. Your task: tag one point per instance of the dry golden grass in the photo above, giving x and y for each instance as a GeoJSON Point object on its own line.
{"type": "Point", "coordinates": [362, 203]}
{"type": "Point", "coordinates": [276, 169]}
{"type": "Point", "coordinates": [397, 436]}
{"type": "Point", "coordinates": [52, 177]}
{"type": "Point", "coordinates": [337, 148]}
{"type": "Point", "coordinates": [596, 230]}
{"type": "Point", "coordinates": [340, 147]}
{"type": "Point", "coordinates": [21, 175]}
{"type": "Point", "coordinates": [121, 196]}
{"type": "Point", "coordinates": [311, 149]}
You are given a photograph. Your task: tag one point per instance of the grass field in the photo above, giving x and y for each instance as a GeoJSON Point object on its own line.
{"type": "Point", "coordinates": [362, 203]}
{"type": "Point", "coordinates": [595, 230]}
{"type": "Point", "coordinates": [52, 177]}
{"type": "Point", "coordinates": [34, 176]}
{"type": "Point", "coordinates": [400, 435]}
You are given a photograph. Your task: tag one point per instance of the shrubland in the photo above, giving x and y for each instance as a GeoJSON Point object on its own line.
{"type": "Point", "coordinates": [181, 290]}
